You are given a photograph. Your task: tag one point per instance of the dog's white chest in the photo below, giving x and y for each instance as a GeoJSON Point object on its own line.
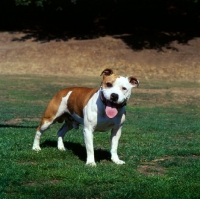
{"type": "Point", "coordinates": [95, 115]}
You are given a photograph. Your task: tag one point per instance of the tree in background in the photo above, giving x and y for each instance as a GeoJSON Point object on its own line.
{"type": "Point", "coordinates": [109, 15]}
{"type": "Point", "coordinates": [41, 2]}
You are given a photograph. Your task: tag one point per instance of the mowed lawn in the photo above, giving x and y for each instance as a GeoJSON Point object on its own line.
{"type": "Point", "coordinates": [160, 144]}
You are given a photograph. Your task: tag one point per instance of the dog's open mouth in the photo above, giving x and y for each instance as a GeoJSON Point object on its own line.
{"type": "Point", "coordinates": [111, 109]}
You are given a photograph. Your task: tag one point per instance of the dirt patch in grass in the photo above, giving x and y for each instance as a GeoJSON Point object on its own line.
{"type": "Point", "coordinates": [30, 184]}
{"type": "Point", "coordinates": [27, 163]}
{"type": "Point", "coordinates": [19, 120]}
{"type": "Point", "coordinates": [14, 121]}
{"type": "Point", "coordinates": [151, 170]}
{"type": "Point", "coordinates": [152, 167]}
{"type": "Point", "coordinates": [159, 166]}
{"type": "Point", "coordinates": [35, 119]}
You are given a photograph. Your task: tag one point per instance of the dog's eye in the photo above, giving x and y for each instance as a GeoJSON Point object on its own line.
{"type": "Point", "coordinates": [124, 88]}
{"type": "Point", "coordinates": [108, 84]}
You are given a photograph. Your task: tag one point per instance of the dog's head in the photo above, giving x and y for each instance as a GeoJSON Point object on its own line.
{"type": "Point", "coordinates": [116, 90]}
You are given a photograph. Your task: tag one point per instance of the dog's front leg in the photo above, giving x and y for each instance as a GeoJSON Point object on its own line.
{"type": "Point", "coordinates": [115, 135]}
{"type": "Point", "coordinates": [88, 137]}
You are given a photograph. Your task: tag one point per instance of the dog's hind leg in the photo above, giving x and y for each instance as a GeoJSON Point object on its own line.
{"type": "Point", "coordinates": [67, 126]}
{"type": "Point", "coordinates": [43, 126]}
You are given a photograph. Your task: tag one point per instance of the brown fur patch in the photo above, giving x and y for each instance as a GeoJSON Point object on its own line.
{"type": "Point", "coordinates": [53, 106]}
{"type": "Point", "coordinates": [79, 98]}
{"type": "Point", "coordinates": [109, 79]}
{"type": "Point", "coordinates": [76, 102]}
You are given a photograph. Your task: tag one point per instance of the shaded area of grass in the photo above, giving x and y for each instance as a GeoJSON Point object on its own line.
{"type": "Point", "coordinates": [159, 143]}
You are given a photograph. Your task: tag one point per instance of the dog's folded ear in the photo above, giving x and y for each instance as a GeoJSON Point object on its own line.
{"type": "Point", "coordinates": [107, 72]}
{"type": "Point", "coordinates": [133, 81]}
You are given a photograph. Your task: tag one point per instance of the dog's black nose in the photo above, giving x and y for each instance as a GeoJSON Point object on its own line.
{"type": "Point", "coordinates": [114, 97]}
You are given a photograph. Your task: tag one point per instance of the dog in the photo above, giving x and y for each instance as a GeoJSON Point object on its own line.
{"type": "Point", "coordinates": [97, 109]}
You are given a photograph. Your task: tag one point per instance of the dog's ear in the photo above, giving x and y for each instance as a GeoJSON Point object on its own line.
{"type": "Point", "coordinates": [107, 72]}
{"type": "Point", "coordinates": [133, 81]}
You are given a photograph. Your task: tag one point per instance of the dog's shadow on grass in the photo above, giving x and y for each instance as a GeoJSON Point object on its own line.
{"type": "Point", "coordinates": [80, 151]}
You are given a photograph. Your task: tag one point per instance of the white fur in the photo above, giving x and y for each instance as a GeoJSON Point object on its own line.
{"type": "Point", "coordinates": [36, 143]}
{"type": "Point", "coordinates": [63, 105]}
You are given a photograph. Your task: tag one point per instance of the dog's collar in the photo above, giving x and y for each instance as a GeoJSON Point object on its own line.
{"type": "Point", "coordinates": [104, 100]}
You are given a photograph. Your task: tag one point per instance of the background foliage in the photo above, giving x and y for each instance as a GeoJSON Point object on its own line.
{"type": "Point", "coordinates": [106, 15]}
{"type": "Point", "coordinates": [42, 2]}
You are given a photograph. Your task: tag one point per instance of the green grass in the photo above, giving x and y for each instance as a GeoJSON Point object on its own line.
{"type": "Point", "coordinates": [160, 143]}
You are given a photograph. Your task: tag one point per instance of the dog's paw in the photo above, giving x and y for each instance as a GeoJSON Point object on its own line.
{"type": "Point", "coordinates": [118, 161]}
{"type": "Point", "coordinates": [92, 164]}
{"type": "Point", "coordinates": [62, 148]}
{"type": "Point", "coordinates": [36, 148]}
{"type": "Point", "coordinates": [61, 145]}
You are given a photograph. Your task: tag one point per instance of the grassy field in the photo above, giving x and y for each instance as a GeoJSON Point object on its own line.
{"type": "Point", "coordinates": [160, 143]}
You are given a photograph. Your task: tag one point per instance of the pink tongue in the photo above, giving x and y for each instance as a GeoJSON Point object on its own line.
{"type": "Point", "coordinates": [111, 111]}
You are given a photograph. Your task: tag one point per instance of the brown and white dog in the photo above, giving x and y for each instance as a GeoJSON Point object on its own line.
{"type": "Point", "coordinates": [96, 109]}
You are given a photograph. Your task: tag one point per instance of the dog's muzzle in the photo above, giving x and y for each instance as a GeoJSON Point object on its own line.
{"type": "Point", "coordinates": [114, 98]}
